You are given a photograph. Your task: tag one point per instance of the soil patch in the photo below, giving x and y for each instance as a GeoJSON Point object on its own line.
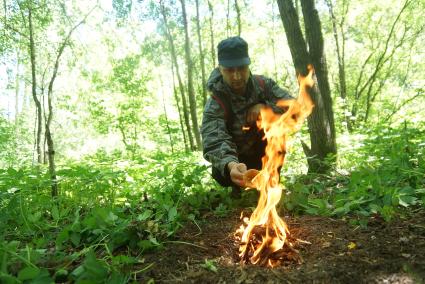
{"type": "Point", "coordinates": [339, 253]}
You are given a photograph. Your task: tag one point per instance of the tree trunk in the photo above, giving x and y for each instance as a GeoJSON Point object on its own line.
{"type": "Point", "coordinates": [166, 116]}
{"type": "Point", "coordinates": [321, 122]}
{"type": "Point", "coordinates": [34, 86]}
{"type": "Point", "coordinates": [48, 133]}
{"type": "Point", "coordinates": [228, 28]}
{"type": "Point", "coordinates": [273, 44]}
{"type": "Point", "coordinates": [238, 17]}
{"type": "Point", "coordinates": [181, 87]}
{"type": "Point", "coordinates": [340, 51]}
{"type": "Point", "coordinates": [201, 54]}
{"type": "Point", "coordinates": [191, 92]}
{"type": "Point", "coordinates": [210, 7]}
{"type": "Point", "coordinates": [17, 89]}
{"type": "Point", "coordinates": [176, 98]}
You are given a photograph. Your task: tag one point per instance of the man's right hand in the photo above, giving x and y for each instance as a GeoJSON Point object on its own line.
{"type": "Point", "coordinates": [237, 170]}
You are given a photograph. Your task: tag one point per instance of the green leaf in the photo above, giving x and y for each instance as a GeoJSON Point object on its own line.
{"type": "Point", "coordinates": [95, 268]}
{"type": "Point", "coordinates": [407, 191]}
{"type": "Point", "coordinates": [117, 278]}
{"type": "Point", "coordinates": [172, 213]}
{"type": "Point", "coordinates": [123, 259]}
{"type": "Point", "coordinates": [341, 210]}
{"type": "Point", "coordinates": [34, 218]}
{"type": "Point", "coordinates": [78, 272]}
{"type": "Point", "coordinates": [43, 278]}
{"type": "Point", "coordinates": [405, 200]}
{"type": "Point", "coordinates": [75, 238]}
{"type": "Point", "coordinates": [61, 275]}
{"type": "Point", "coordinates": [28, 273]}
{"type": "Point", "coordinates": [209, 265]}
{"type": "Point", "coordinates": [62, 237]}
{"type": "Point", "coordinates": [374, 208]}
{"type": "Point", "coordinates": [55, 213]}
{"type": "Point", "coordinates": [145, 215]}
{"type": "Point", "coordinates": [111, 217]}
{"type": "Point", "coordinates": [8, 279]}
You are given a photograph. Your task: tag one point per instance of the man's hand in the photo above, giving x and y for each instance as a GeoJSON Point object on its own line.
{"type": "Point", "coordinates": [237, 171]}
{"type": "Point", "coordinates": [253, 113]}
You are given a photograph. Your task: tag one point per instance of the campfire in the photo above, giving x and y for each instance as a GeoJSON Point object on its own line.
{"type": "Point", "coordinates": [264, 237]}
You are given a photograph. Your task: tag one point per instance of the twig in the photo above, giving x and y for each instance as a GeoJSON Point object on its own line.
{"type": "Point", "coordinates": [185, 243]}
{"type": "Point", "coordinates": [303, 242]}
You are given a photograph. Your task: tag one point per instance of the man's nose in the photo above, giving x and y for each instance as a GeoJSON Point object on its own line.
{"type": "Point", "coordinates": [236, 75]}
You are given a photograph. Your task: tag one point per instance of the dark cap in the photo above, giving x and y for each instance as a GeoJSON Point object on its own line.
{"type": "Point", "coordinates": [233, 52]}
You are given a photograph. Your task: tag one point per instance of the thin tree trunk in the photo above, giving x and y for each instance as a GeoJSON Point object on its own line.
{"type": "Point", "coordinates": [166, 116]}
{"type": "Point", "coordinates": [316, 50]}
{"type": "Point", "coordinates": [210, 7]}
{"type": "Point", "coordinates": [34, 86]}
{"type": "Point", "coordinates": [176, 98]}
{"type": "Point", "coordinates": [228, 28]}
{"type": "Point", "coordinates": [191, 92]}
{"type": "Point", "coordinates": [201, 55]}
{"type": "Point", "coordinates": [341, 64]}
{"type": "Point", "coordinates": [238, 17]}
{"type": "Point", "coordinates": [273, 43]}
{"type": "Point", "coordinates": [181, 87]}
{"type": "Point", "coordinates": [17, 89]}
{"type": "Point", "coordinates": [321, 124]}
{"type": "Point", "coordinates": [49, 137]}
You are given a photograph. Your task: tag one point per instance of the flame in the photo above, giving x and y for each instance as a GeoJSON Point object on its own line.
{"type": "Point", "coordinates": [265, 221]}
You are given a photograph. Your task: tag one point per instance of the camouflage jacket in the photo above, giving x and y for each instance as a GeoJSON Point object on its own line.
{"type": "Point", "coordinates": [224, 140]}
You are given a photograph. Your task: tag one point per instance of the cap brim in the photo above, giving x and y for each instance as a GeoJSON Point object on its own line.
{"type": "Point", "coordinates": [234, 62]}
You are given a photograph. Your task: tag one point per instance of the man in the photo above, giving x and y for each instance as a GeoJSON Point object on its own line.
{"type": "Point", "coordinates": [231, 140]}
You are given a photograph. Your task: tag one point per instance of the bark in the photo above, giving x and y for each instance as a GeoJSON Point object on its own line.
{"type": "Point", "coordinates": [201, 54]}
{"type": "Point", "coordinates": [34, 86]}
{"type": "Point", "coordinates": [210, 7]}
{"type": "Point", "coordinates": [176, 65]}
{"type": "Point", "coordinates": [191, 92]}
{"type": "Point", "coordinates": [238, 17]}
{"type": "Point", "coordinates": [321, 121]}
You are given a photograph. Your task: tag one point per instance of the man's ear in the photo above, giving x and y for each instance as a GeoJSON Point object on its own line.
{"type": "Point", "coordinates": [220, 68]}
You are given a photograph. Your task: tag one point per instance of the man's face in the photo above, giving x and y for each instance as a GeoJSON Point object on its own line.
{"type": "Point", "coordinates": [235, 77]}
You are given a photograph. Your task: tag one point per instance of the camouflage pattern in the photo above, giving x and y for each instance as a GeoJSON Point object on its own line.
{"type": "Point", "coordinates": [223, 143]}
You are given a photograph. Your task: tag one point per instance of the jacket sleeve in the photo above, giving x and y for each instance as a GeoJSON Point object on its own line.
{"type": "Point", "coordinates": [275, 93]}
{"type": "Point", "coordinates": [218, 147]}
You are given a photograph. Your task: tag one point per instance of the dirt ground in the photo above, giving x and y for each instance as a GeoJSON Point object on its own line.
{"type": "Point", "coordinates": [339, 253]}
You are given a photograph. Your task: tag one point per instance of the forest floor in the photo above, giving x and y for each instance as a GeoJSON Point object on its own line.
{"type": "Point", "coordinates": [382, 252]}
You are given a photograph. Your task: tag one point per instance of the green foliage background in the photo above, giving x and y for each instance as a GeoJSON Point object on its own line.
{"type": "Point", "coordinates": [127, 185]}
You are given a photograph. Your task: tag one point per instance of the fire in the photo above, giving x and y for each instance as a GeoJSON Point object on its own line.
{"type": "Point", "coordinates": [264, 234]}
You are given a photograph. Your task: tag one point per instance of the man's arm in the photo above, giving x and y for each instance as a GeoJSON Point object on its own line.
{"type": "Point", "coordinates": [275, 93]}
{"type": "Point", "coordinates": [218, 147]}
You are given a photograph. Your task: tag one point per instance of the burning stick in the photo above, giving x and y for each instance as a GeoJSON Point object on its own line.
{"type": "Point", "coordinates": [264, 237]}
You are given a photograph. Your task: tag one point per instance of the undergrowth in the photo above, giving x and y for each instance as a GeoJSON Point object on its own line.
{"type": "Point", "coordinates": [110, 212]}
{"type": "Point", "coordinates": [381, 172]}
